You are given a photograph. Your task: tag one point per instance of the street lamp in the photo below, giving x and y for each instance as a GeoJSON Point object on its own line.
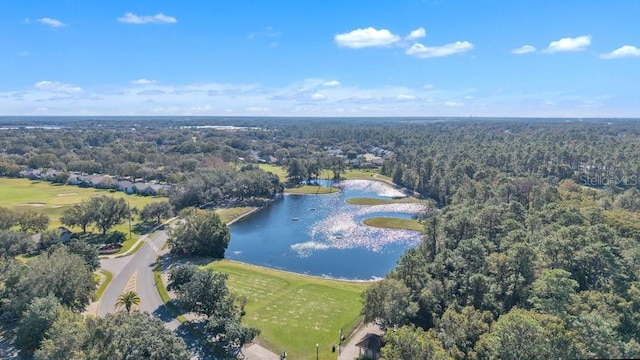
{"type": "Point", "coordinates": [316, 351]}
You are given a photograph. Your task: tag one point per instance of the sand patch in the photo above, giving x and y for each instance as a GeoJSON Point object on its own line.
{"type": "Point", "coordinates": [32, 204]}
{"type": "Point", "coordinates": [68, 194]}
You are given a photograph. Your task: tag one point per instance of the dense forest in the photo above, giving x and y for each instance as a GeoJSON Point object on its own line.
{"type": "Point", "coordinates": [534, 251]}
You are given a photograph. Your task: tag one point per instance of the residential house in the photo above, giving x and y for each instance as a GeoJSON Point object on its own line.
{"type": "Point", "coordinates": [100, 182]}
{"type": "Point", "coordinates": [74, 179]}
{"type": "Point", "coordinates": [126, 186]}
{"type": "Point", "coordinates": [33, 174]}
{"type": "Point", "coordinates": [148, 189]}
{"type": "Point", "coordinates": [268, 159]}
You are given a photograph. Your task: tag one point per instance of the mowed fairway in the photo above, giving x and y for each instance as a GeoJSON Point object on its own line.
{"type": "Point", "coordinates": [294, 312]}
{"type": "Point", "coordinates": [53, 199]}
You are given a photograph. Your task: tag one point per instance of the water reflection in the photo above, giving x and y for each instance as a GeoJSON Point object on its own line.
{"type": "Point", "coordinates": [329, 240]}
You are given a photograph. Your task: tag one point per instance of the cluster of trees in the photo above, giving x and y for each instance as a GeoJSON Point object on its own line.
{"type": "Point", "coordinates": [102, 211]}
{"type": "Point", "coordinates": [201, 233]}
{"type": "Point", "coordinates": [204, 292]}
{"type": "Point", "coordinates": [310, 170]}
{"type": "Point", "coordinates": [60, 277]}
{"type": "Point", "coordinates": [43, 298]}
{"type": "Point", "coordinates": [119, 335]}
{"type": "Point", "coordinates": [26, 220]}
{"type": "Point", "coordinates": [507, 272]}
{"type": "Point", "coordinates": [214, 186]}
{"type": "Point", "coordinates": [156, 211]}
{"type": "Point", "coordinates": [448, 154]}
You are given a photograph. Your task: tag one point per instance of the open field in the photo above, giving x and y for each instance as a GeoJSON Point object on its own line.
{"type": "Point", "coordinates": [294, 312]}
{"type": "Point", "coordinates": [53, 199]}
{"type": "Point", "coordinates": [276, 170]}
{"type": "Point", "coordinates": [359, 174]}
{"type": "Point", "coordinates": [372, 201]}
{"type": "Point", "coordinates": [351, 174]}
{"type": "Point", "coordinates": [394, 223]}
{"type": "Point", "coordinates": [311, 190]}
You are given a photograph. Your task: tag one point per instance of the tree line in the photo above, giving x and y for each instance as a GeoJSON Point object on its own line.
{"type": "Point", "coordinates": [551, 264]}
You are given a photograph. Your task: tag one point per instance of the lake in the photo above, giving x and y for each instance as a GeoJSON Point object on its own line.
{"type": "Point", "coordinates": [322, 235]}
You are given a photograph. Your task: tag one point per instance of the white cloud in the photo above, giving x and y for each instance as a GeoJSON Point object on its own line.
{"type": "Point", "coordinates": [421, 51]}
{"type": "Point", "coordinates": [258, 109]}
{"type": "Point", "coordinates": [143, 82]}
{"type": "Point", "coordinates": [296, 99]}
{"type": "Point", "coordinates": [621, 52]}
{"type": "Point", "coordinates": [318, 97]}
{"type": "Point", "coordinates": [405, 97]}
{"type": "Point", "coordinates": [417, 34]}
{"type": "Point", "coordinates": [51, 22]}
{"type": "Point", "coordinates": [428, 86]}
{"type": "Point", "coordinates": [569, 44]}
{"type": "Point", "coordinates": [331, 83]}
{"type": "Point", "coordinates": [131, 18]}
{"type": "Point", "coordinates": [24, 53]}
{"type": "Point", "coordinates": [453, 104]}
{"type": "Point", "coordinates": [368, 37]}
{"type": "Point", "coordinates": [523, 50]}
{"type": "Point", "coordinates": [55, 86]}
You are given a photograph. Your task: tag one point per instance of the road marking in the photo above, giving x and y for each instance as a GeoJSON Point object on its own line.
{"type": "Point", "coordinates": [155, 248]}
{"type": "Point", "coordinates": [131, 284]}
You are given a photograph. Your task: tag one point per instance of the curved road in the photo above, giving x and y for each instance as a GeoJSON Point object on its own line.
{"type": "Point", "coordinates": [135, 273]}
{"type": "Point", "coordinates": [138, 269]}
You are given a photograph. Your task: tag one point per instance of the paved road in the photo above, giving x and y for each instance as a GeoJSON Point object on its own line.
{"type": "Point", "coordinates": [136, 269]}
{"type": "Point", "coordinates": [135, 272]}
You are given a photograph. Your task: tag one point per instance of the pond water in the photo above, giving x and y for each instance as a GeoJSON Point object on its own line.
{"type": "Point", "coordinates": [323, 235]}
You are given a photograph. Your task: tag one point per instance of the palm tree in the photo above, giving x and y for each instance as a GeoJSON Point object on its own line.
{"type": "Point", "coordinates": [128, 299]}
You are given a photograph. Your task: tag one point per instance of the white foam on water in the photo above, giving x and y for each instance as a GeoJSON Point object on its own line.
{"type": "Point", "coordinates": [306, 248]}
{"type": "Point", "coordinates": [377, 187]}
{"type": "Point", "coordinates": [344, 230]}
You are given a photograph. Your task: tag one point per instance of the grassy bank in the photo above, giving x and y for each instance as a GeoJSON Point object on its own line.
{"type": "Point", "coordinates": [394, 223]}
{"type": "Point", "coordinates": [311, 190]}
{"type": "Point", "coordinates": [108, 276]}
{"type": "Point", "coordinates": [372, 201]}
{"type": "Point", "coordinates": [294, 312]}
{"type": "Point", "coordinates": [230, 214]}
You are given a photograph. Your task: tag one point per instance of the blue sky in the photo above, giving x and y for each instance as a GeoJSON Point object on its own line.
{"type": "Point", "coordinates": [321, 58]}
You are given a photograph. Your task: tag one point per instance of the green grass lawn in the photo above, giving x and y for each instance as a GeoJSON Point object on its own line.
{"type": "Point", "coordinates": [350, 174]}
{"type": "Point", "coordinates": [276, 170]}
{"type": "Point", "coordinates": [394, 223]}
{"type": "Point", "coordinates": [53, 199]}
{"type": "Point", "coordinates": [372, 201]}
{"type": "Point", "coordinates": [294, 312]}
{"type": "Point", "coordinates": [311, 190]}
{"type": "Point", "coordinates": [230, 214]}
{"type": "Point", "coordinates": [108, 276]}
{"type": "Point", "coordinates": [363, 174]}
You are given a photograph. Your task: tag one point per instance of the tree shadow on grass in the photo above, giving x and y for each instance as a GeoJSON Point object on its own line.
{"type": "Point", "coordinates": [191, 333]}
{"type": "Point", "coordinates": [195, 345]}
